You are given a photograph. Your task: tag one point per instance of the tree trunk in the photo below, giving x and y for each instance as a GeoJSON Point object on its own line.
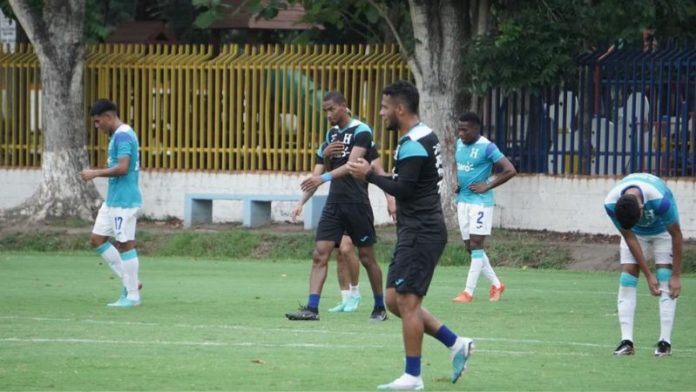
{"type": "Point", "coordinates": [441, 29]}
{"type": "Point", "coordinates": [57, 35]}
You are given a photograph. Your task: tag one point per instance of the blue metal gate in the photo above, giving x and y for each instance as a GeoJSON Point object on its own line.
{"type": "Point", "coordinates": [627, 111]}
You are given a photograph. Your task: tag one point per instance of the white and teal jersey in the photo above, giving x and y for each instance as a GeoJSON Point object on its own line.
{"type": "Point", "coordinates": [474, 165]}
{"type": "Point", "coordinates": [124, 191]}
{"type": "Point", "coordinates": [659, 208]}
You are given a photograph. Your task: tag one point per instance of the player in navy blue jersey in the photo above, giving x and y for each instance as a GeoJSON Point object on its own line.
{"type": "Point", "coordinates": [347, 264]}
{"type": "Point", "coordinates": [347, 208]}
{"type": "Point", "coordinates": [421, 232]}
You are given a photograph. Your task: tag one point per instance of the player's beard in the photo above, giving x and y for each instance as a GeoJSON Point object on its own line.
{"type": "Point", "coordinates": [392, 124]}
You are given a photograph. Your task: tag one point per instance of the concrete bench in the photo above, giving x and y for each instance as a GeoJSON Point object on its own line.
{"type": "Point", "coordinates": [198, 208]}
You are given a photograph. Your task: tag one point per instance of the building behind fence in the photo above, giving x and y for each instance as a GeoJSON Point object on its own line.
{"type": "Point", "coordinates": [259, 108]}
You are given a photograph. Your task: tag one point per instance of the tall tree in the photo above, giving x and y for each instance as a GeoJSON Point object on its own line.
{"type": "Point", "coordinates": [56, 31]}
{"type": "Point", "coordinates": [434, 47]}
{"type": "Point", "coordinates": [441, 31]}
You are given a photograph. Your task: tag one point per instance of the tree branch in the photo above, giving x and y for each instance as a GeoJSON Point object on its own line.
{"type": "Point", "coordinates": [349, 17]}
{"type": "Point", "coordinates": [393, 29]}
{"type": "Point", "coordinates": [27, 17]}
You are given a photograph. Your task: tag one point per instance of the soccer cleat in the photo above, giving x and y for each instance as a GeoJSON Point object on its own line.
{"type": "Point", "coordinates": [663, 349]}
{"type": "Point", "coordinates": [352, 303]}
{"type": "Point", "coordinates": [496, 292]}
{"type": "Point", "coordinates": [406, 382]}
{"type": "Point", "coordinates": [338, 308]}
{"type": "Point", "coordinates": [463, 298]}
{"type": "Point", "coordinates": [378, 314]}
{"type": "Point", "coordinates": [124, 303]}
{"type": "Point", "coordinates": [303, 314]}
{"type": "Point", "coordinates": [460, 357]}
{"type": "Point", "coordinates": [625, 348]}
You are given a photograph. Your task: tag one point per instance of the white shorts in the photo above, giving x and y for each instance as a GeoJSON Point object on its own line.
{"type": "Point", "coordinates": [660, 244]}
{"type": "Point", "coordinates": [474, 219]}
{"type": "Point", "coordinates": [116, 222]}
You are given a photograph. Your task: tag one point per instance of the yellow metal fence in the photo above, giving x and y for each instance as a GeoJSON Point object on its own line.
{"type": "Point", "coordinates": [248, 108]}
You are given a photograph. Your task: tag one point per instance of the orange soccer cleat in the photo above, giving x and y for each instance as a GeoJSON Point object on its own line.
{"type": "Point", "coordinates": [463, 298]}
{"type": "Point", "coordinates": [496, 292]}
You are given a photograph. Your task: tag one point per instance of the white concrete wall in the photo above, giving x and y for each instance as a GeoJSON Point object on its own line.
{"type": "Point", "coordinates": [163, 191]}
{"type": "Point", "coordinates": [535, 202]}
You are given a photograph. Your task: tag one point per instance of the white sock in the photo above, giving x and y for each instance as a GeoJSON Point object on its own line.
{"type": "Point", "coordinates": [488, 272]}
{"type": "Point", "coordinates": [668, 307]}
{"type": "Point", "coordinates": [627, 304]}
{"type": "Point", "coordinates": [345, 294]}
{"type": "Point", "coordinates": [131, 266]}
{"type": "Point", "coordinates": [355, 290]}
{"type": "Point", "coordinates": [109, 253]}
{"type": "Point", "coordinates": [474, 270]}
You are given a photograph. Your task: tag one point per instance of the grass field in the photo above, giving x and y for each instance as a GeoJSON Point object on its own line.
{"type": "Point", "coordinates": [219, 325]}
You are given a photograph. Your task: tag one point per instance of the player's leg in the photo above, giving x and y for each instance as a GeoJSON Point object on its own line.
{"type": "Point", "coordinates": [99, 239]}
{"type": "Point", "coordinates": [460, 347]}
{"type": "Point", "coordinates": [374, 273]}
{"type": "Point", "coordinates": [409, 277]}
{"type": "Point", "coordinates": [464, 215]}
{"type": "Point", "coordinates": [124, 222]}
{"type": "Point", "coordinates": [479, 230]}
{"type": "Point", "coordinates": [360, 227]}
{"type": "Point", "coordinates": [329, 232]}
{"type": "Point", "coordinates": [405, 305]}
{"type": "Point", "coordinates": [663, 263]}
{"type": "Point", "coordinates": [353, 264]}
{"type": "Point", "coordinates": [626, 302]}
{"type": "Point", "coordinates": [346, 264]}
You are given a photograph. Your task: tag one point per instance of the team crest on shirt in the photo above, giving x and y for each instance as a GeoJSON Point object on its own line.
{"type": "Point", "coordinates": [648, 218]}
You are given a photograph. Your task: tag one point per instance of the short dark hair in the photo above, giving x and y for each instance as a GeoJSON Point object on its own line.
{"type": "Point", "coordinates": [627, 211]}
{"type": "Point", "coordinates": [405, 92]}
{"type": "Point", "coordinates": [102, 106]}
{"type": "Point", "coordinates": [335, 97]}
{"type": "Point", "coordinates": [470, 117]}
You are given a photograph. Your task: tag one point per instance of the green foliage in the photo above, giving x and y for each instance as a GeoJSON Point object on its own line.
{"type": "Point", "coordinates": [535, 42]}
{"type": "Point", "coordinates": [213, 10]}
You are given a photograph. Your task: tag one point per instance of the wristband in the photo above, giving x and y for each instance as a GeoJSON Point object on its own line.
{"type": "Point", "coordinates": [326, 177]}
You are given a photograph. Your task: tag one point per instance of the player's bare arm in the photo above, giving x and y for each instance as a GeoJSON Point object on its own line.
{"type": "Point", "coordinates": [318, 169]}
{"type": "Point", "coordinates": [674, 230]}
{"type": "Point", "coordinates": [376, 167]}
{"type": "Point", "coordinates": [505, 171]}
{"type": "Point", "coordinates": [637, 252]}
{"type": "Point", "coordinates": [121, 169]}
{"type": "Point", "coordinates": [313, 182]}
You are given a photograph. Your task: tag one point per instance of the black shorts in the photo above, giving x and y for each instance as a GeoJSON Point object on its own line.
{"type": "Point", "coordinates": [352, 219]}
{"type": "Point", "coordinates": [413, 265]}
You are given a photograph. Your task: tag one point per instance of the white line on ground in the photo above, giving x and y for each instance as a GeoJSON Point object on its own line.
{"type": "Point", "coordinates": [247, 344]}
{"type": "Point", "coordinates": [296, 330]}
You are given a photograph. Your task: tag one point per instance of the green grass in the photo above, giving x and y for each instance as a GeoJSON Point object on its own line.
{"type": "Point", "coordinates": [218, 325]}
{"type": "Point", "coordinates": [511, 248]}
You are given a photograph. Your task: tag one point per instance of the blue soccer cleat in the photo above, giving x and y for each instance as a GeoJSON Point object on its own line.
{"type": "Point", "coordinates": [351, 305]}
{"type": "Point", "coordinates": [124, 303]}
{"type": "Point", "coordinates": [460, 357]}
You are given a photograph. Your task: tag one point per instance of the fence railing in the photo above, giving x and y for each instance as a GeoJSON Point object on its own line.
{"type": "Point", "coordinates": [248, 108]}
{"type": "Point", "coordinates": [259, 108]}
{"type": "Point", "coordinates": [627, 111]}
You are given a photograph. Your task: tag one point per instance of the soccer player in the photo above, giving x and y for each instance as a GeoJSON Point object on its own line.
{"type": "Point", "coordinates": [643, 208]}
{"type": "Point", "coordinates": [347, 264]}
{"type": "Point", "coordinates": [421, 232]}
{"type": "Point", "coordinates": [475, 157]}
{"type": "Point", "coordinates": [347, 208]}
{"type": "Point", "coordinates": [117, 215]}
